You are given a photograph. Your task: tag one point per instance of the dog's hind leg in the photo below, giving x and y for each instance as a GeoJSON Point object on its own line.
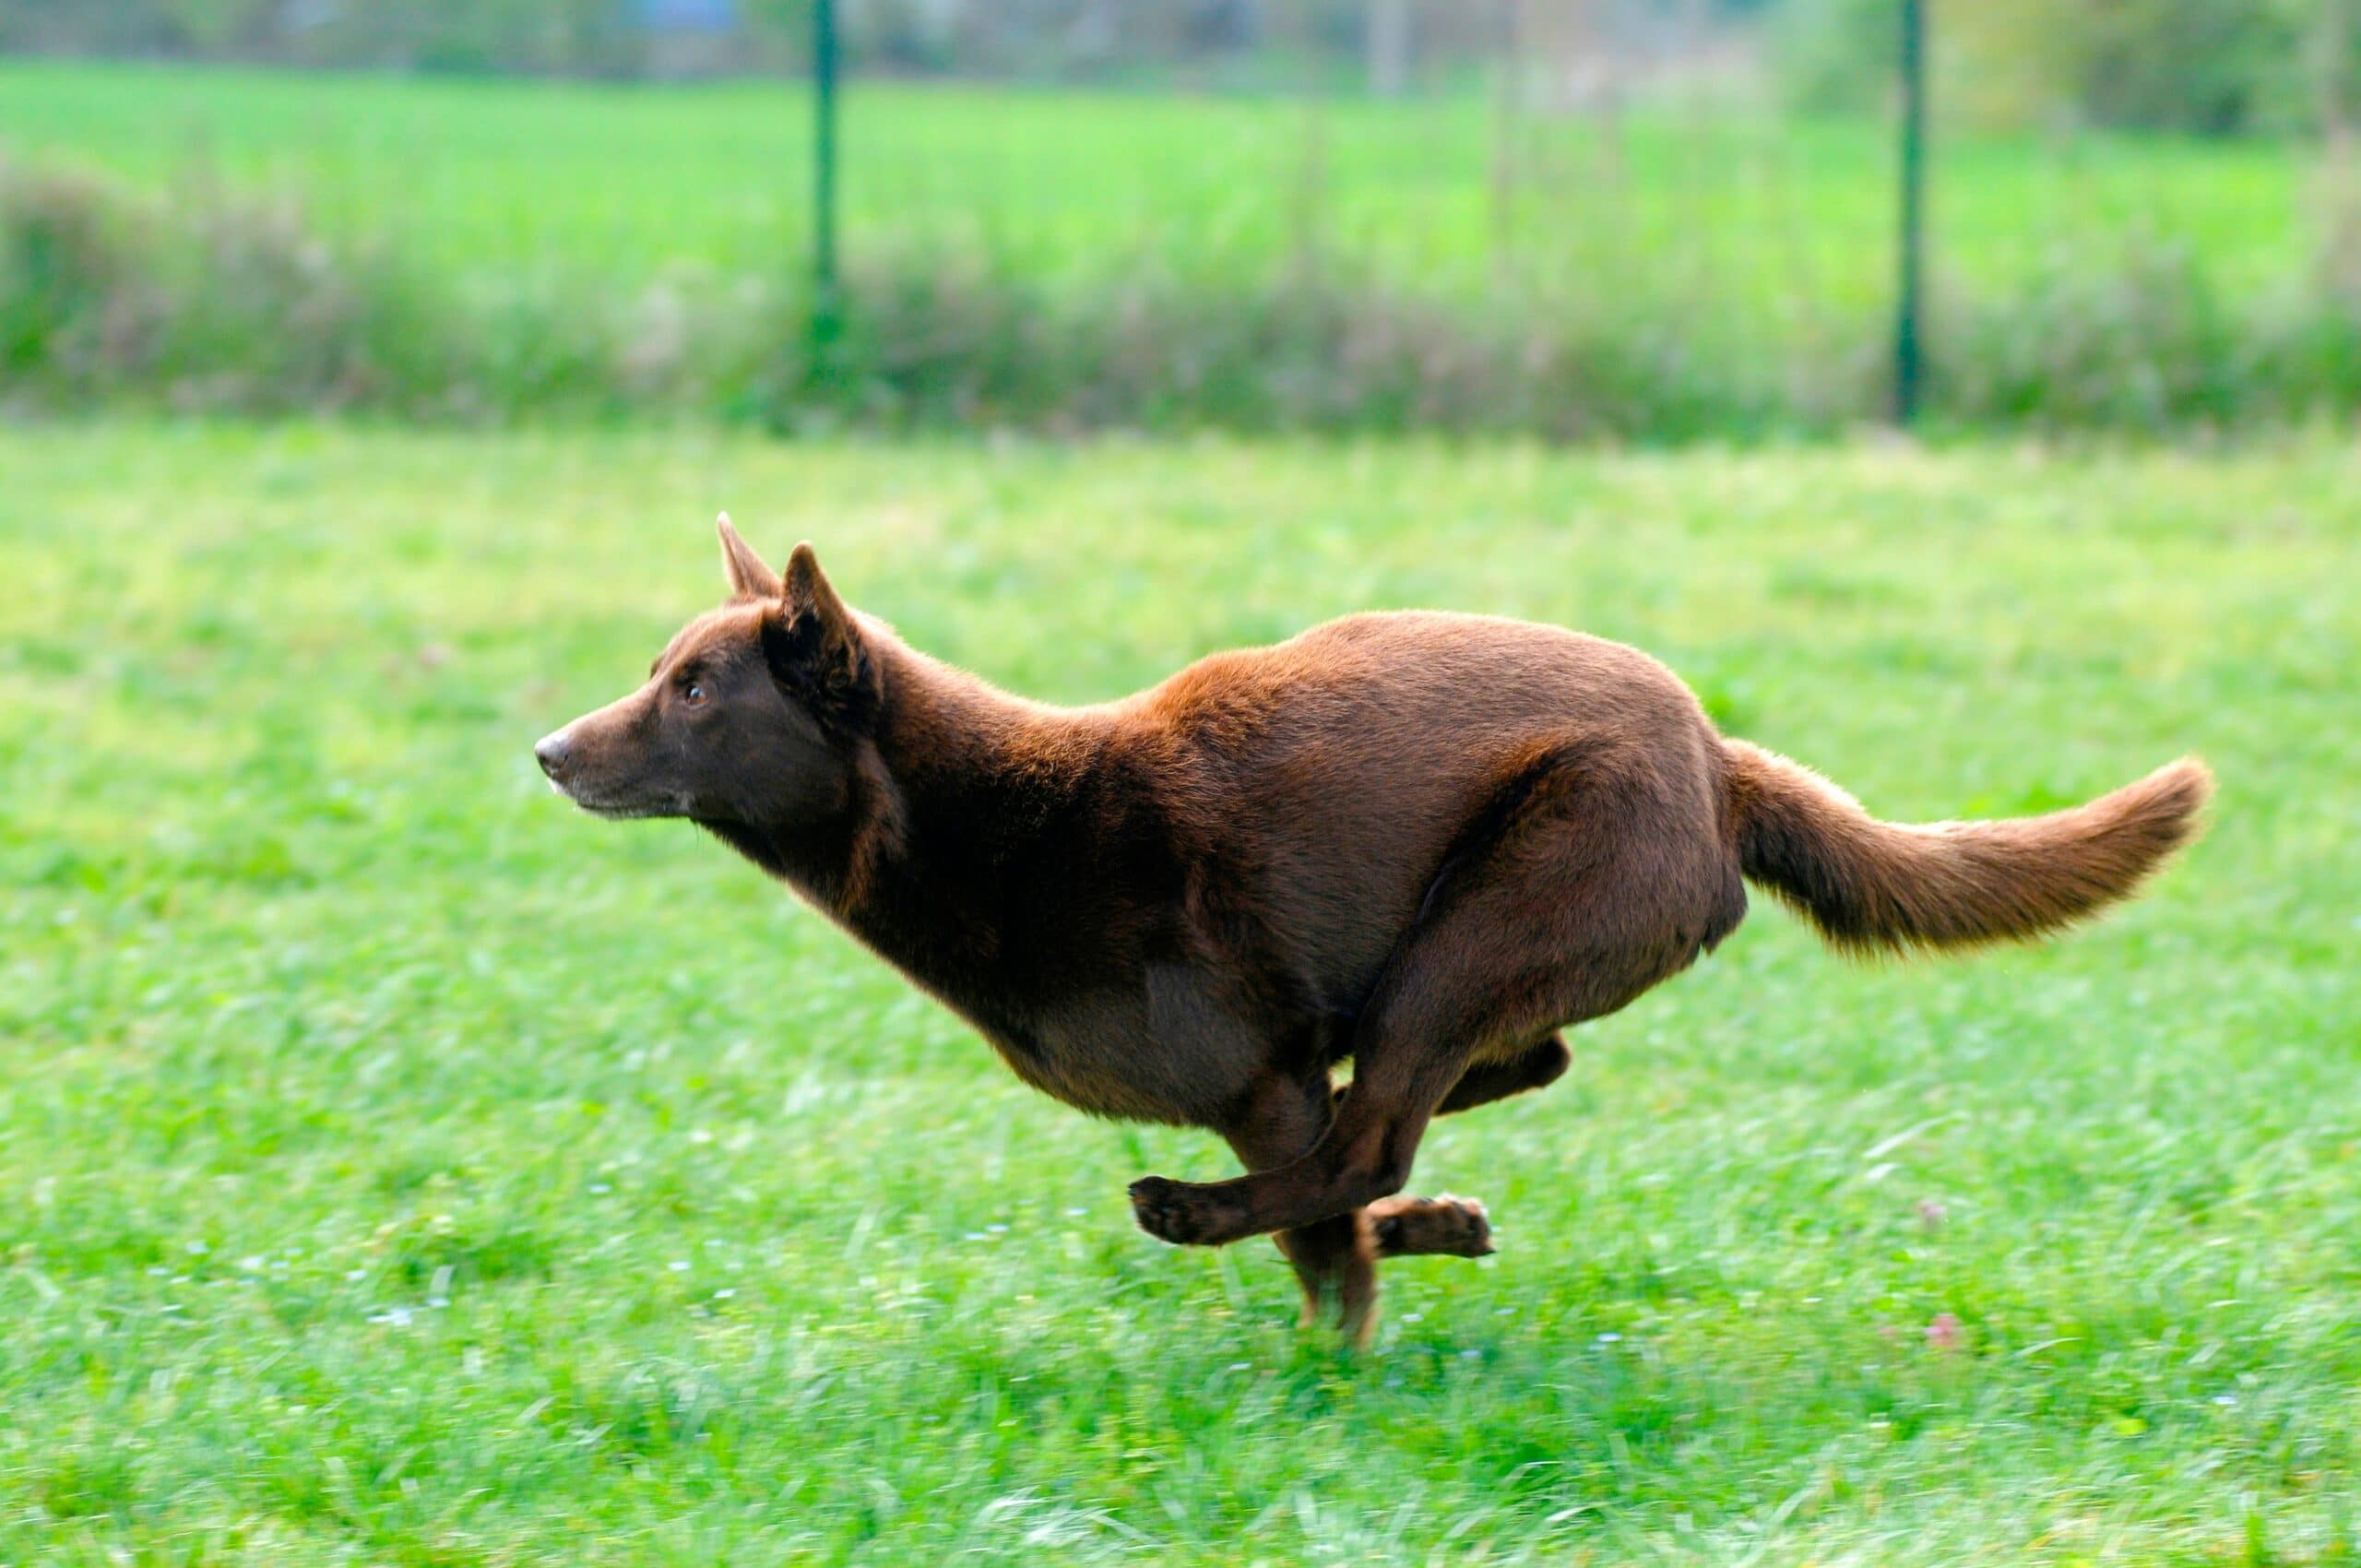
{"type": "Point", "coordinates": [1406, 1227]}
{"type": "Point", "coordinates": [1538, 1066]}
{"type": "Point", "coordinates": [1596, 885]}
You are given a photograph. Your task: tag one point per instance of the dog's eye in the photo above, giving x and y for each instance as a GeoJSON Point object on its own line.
{"type": "Point", "coordinates": [693, 695]}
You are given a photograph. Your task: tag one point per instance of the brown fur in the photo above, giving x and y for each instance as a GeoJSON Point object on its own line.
{"type": "Point", "coordinates": [1871, 885]}
{"type": "Point", "coordinates": [1422, 842]}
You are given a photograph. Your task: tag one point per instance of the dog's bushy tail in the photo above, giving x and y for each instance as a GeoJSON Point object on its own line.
{"type": "Point", "coordinates": [1880, 886]}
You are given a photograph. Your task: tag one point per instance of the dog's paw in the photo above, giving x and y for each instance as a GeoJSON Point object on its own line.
{"type": "Point", "coordinates": [1179, 1212]}
{"type": "Point", "coordinates": [1417, 1226]}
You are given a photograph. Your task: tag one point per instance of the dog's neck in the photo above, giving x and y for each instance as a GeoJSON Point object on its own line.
{"type": "Point", "coordinates": [961, 793]}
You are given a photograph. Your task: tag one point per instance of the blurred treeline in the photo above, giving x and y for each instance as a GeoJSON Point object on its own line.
{"type": "Point", "coordinates": [1049, 40]}
{"type": "Point", "coordinates": [2209, 67]}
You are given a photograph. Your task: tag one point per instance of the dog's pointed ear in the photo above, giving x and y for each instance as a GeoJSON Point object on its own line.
{"type": "Point", "coordinates": [749, 579]}
{"type": "Point", "coordinates": [808, 592]}
{"type": "Point", "coordinates": [814, 646]}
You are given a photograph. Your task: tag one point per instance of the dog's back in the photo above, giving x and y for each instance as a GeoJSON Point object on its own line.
{"type": "Point", "coordinates": [1339, 770]}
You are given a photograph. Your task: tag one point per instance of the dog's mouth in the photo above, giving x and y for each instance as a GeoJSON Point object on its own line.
{"type": "Point", "coordinates": [617, 810]}
{"type": "Point", "coordinates": [625, 814]}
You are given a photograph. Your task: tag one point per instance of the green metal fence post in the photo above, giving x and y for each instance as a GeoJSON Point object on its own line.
{"type": "Point", "coordinates": [826, 318]}
{"type": "Point", "coordinates": [1907, 323]}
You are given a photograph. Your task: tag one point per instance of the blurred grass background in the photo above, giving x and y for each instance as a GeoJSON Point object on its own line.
{"type": "Point", "coordinates": [617, 184]}
{"type": "Point", "coordinates": [1704, 261]}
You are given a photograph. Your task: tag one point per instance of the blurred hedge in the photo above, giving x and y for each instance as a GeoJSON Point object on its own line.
{"type": "Point", "coordinates": [212, 301]}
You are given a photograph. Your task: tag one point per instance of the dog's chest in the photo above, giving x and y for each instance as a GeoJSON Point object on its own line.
{"type": "Point", "coordinates": [1175, 1045]}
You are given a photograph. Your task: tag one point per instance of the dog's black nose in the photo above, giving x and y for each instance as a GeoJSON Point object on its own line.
{"type": "Point", "coordinates": [552, 752]}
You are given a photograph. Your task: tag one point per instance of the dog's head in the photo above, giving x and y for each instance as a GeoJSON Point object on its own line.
{"type": "Point", "coordinates": [749, 716]}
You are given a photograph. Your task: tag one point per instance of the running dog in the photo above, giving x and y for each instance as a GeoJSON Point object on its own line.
{"type": "Point", "coordinates": [1423, 843]}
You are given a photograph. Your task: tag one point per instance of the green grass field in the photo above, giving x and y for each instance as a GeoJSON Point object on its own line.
{"type": "Point", "coordinates": [1722, 205]}
{"type": "Point", "coordinates": [402, 1168]}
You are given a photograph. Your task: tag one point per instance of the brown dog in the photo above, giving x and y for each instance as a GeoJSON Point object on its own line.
{"type": "Point", "coordinates": [1425, 842]}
